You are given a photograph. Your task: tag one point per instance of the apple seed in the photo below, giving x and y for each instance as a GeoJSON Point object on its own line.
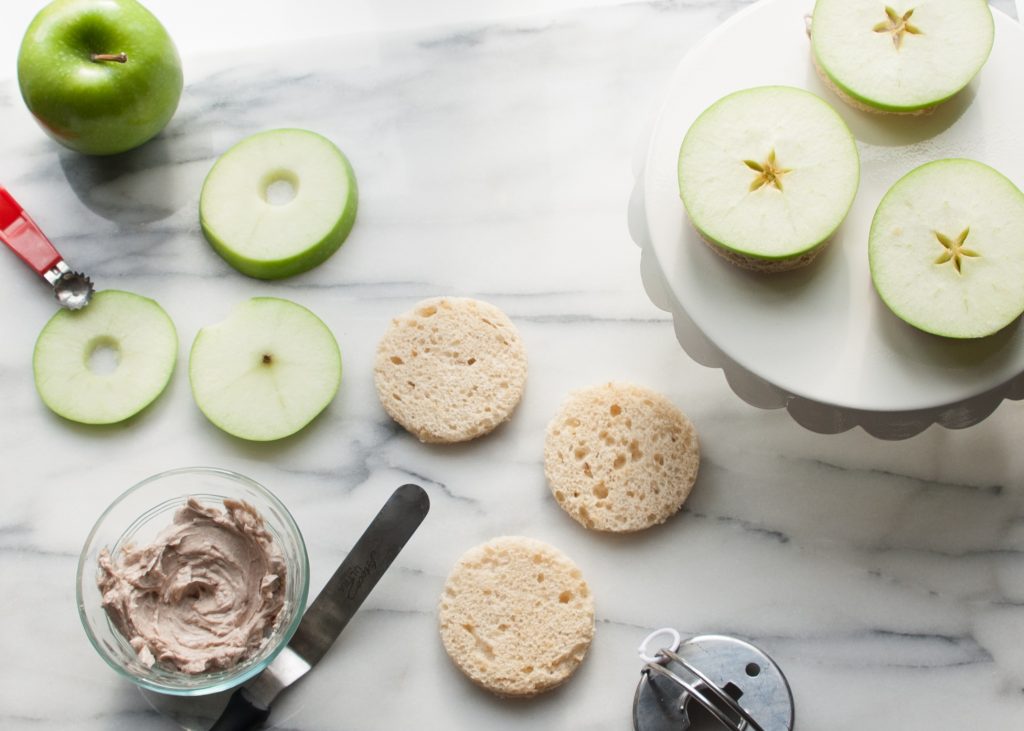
{"type": "Point", "coordinates": [897, 26]}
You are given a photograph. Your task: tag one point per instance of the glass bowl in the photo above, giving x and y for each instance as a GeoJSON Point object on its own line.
{"type": "Point", "coordinates": [145, 510]}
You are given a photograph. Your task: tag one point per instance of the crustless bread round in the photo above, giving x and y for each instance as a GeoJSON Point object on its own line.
{"type": "Point", "coordinates": [620, 457]}
{"type": "Point", "coordinates": [451, 369]}
{"type": "Point", "coordinates": [516, 616]}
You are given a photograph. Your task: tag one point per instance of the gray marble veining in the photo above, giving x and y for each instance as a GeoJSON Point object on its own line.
{"type": "Point", "coordinates": [494, 161]}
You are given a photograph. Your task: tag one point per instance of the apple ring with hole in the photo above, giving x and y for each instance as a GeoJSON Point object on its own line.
{"type": "Point", "coordinates": [106, 362]}
{"type": "Point", "coordinates": [767, 175]}
{"type": "Point", "coordinates": [900, 58]}
{"type": "Point", "coordinates": [946, 251]}
{"type": "Point", "coordinates": [266, 371]}
{"type": "Point", "coordinates": [279, 203]}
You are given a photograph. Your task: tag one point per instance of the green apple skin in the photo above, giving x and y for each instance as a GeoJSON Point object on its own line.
{"type": "Point", "coordinates": [235, 189]}
{"type": "Point", "coordinates": [99, 107]}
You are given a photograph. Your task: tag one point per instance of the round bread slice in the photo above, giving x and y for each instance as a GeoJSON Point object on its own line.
{"type": "Point", "coordinates": [516, 616]}
{"type": "Point", "coordinates": [620, 457]}
{"type": "Point", "coordinates": [451, 369]}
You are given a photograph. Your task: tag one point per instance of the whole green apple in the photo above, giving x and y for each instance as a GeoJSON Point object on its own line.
{"type": "Point", "coordinates": [100, 76]}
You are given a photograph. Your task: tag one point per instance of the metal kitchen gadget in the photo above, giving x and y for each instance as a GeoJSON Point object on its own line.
{"type": "Point", "coordinates": [17, 229]}
{"type": "Point", "coordinates": [327, 616]}
{"type": "Point", "coordinates": [732, 682]}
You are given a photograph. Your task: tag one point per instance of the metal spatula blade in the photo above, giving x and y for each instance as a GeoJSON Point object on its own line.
{"type": "Point", "coordinates": [327, 616]}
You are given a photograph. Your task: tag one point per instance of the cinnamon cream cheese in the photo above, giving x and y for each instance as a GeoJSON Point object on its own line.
{"type": "Point", "coordinates": [205, 595]}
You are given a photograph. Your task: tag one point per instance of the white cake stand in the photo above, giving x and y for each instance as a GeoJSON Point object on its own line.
{"type": "Point", "coordinates": [818, 341]}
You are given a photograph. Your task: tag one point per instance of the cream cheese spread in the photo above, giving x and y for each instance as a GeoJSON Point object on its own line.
{"type": "Point", "coordinates": [205, 595]}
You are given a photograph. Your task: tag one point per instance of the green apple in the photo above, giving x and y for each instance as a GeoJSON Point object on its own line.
{"type": "Point", "coordinates": [946, 249]}
{"type": "Point", "coordinates": [904, 57]}
{"type": "Point", "coordinates": [767, 175]}
{"type": "Point", "coordinates": [279, 203]}
{"type": "Point", "coordinates": [68, 362]}
{"type": "Point", "coordinates": [266, 371]}
{"type": "Point", "coordinates": [100, 76]}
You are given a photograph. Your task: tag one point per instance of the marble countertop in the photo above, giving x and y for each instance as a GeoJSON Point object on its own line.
{"type": "Point", "coordinates": [493, 143]}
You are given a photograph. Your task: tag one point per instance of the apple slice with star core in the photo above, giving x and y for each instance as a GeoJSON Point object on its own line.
{"type": "Point", "coordinates": [946, 249]}
{"type": "Point", "coordinates": [279, 203]}
{"type": "Point", "coordinates": [100, 76]}
{"type": "Point", "coordinates": [266, 371]}
{"type": "Point", "coordinates": [767, 175]}
{"type": "Point", "coordinates": [107, 362]}
{"type": "Point", "coordinates": [901, 57]}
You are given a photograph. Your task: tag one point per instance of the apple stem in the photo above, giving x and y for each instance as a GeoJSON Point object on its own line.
{"type": "Point", "coordinates": [116, 57]}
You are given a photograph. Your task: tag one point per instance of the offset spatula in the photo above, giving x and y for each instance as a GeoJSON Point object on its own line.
{"type": "Point", "coordinates": [327, 616]}
{"type": "Point", "coordinates": [17, 229]}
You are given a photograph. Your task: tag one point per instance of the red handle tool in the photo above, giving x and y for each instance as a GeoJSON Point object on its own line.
{"type": "Point", "coordinates": [17, 229]}
{"type": "Point", "coordinates": [23, 236]}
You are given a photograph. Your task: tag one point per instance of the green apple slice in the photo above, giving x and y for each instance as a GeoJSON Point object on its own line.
{"type": "Point", "coordinates": [133, 330]}
{"type": "Point", "coordinates": [767, 175]}
{"type": "Point", "coordinates": [946, 249]}
{"type": "Point", "coordinates": [266, 371]}
{"type": "Point", "coordinates": [903, 56]}
{"type": "Point", "coordinates": [279, 203]}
